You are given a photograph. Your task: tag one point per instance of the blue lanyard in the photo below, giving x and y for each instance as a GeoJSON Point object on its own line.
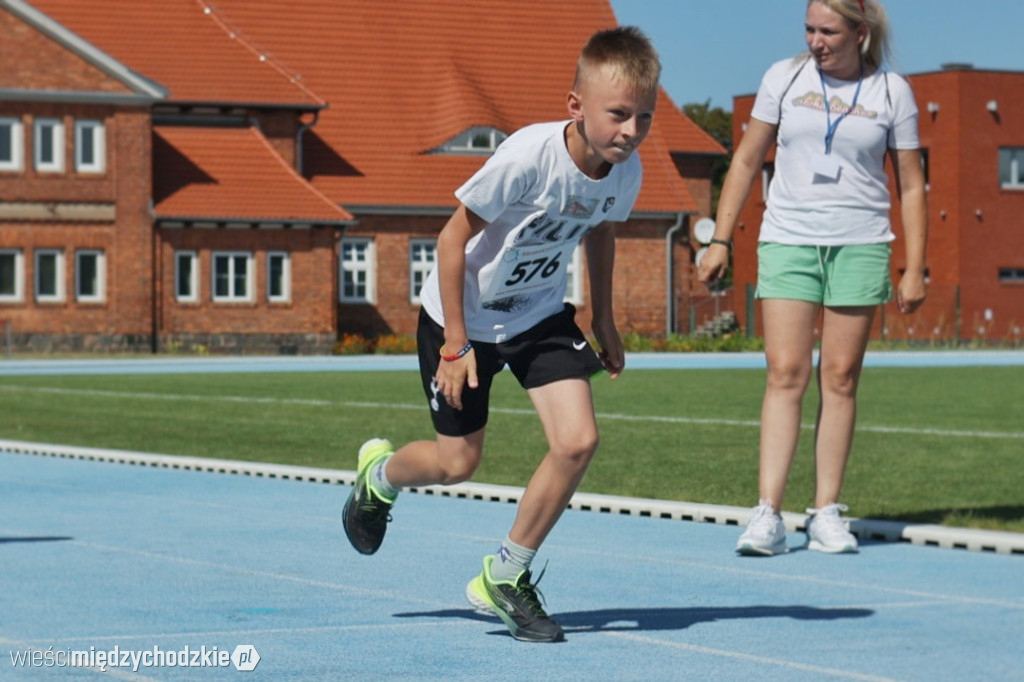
{"type": "Point", "coordinates": [831, 126]}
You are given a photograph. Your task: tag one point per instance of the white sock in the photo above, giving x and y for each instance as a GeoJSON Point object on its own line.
{"type": "Point", "coordinates": [510, 560]}
{"type": "Point", "coordinates": [380, 482]}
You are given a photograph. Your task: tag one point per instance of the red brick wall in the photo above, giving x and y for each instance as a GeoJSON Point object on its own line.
{"type": "Point", "coordinates": [225, 325]}
{"type": "Point", "coordinates": [639, 277]}
{"type": "Point", "coordinates": [991, 219]}
{"type": "Point", "coordinates": [125, 185]}
{"type": "Point", "coordinates": [31, 59]}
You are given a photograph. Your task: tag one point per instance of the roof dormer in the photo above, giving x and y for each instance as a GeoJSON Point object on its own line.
{"type": "Point", "coordinates": [481, 140]}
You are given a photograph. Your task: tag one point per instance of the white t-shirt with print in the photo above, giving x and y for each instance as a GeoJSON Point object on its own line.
{"type": "Point", "coordinates": [852, 206]}
{"type": "Point", "coordinates": [538, 205]}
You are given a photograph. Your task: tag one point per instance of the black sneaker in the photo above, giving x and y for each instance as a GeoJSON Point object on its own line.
{"type": "Point", "coordinates": [366, 512]}
{"type": "Point", "coordinates": [518, 604]}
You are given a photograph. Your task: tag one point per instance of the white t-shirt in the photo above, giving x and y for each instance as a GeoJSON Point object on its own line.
{"type": "Point", "coordinates": [845, 199]}
{"type": "Point", "coordinates": [538, 205]}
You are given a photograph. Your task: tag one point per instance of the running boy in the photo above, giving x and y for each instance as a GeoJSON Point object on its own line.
{"type": "Point", "coordinates": [497, 296]}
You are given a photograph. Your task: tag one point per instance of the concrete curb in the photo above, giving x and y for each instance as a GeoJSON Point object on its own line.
{"type": "Point", "coordinates": [946, 537]}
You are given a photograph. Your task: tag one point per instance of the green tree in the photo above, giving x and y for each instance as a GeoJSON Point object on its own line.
{"type": "Point", "coordinates": [717, 123]}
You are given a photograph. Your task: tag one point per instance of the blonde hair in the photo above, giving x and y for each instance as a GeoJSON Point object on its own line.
{"type": "Point", "coordinates": [876, 47]}
{"type": "Point", "coordinates": [628, 51]}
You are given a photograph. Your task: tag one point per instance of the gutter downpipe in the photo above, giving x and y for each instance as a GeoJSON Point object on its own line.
{"type": "Point", "coordinates": [670, 307]}
{"type": "Point", "coordinates": [156, 285]}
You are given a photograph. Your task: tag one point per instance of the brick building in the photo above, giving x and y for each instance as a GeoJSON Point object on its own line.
{"type": "Point", "coordinates": [256, 176]}
{"type": "Point", "coordinates": [971, 125]}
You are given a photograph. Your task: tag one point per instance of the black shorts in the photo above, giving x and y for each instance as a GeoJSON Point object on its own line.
{"type": "Point", "coordinates": [552, 350]}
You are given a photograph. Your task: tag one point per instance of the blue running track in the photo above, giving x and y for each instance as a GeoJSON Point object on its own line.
{"type": "Point", "coordinates": [156, 556]}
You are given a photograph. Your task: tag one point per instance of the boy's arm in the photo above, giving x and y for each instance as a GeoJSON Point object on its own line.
{"type": "Point", "coordinates": [600, 246]}
{"type": "Point", "coordinates": [451, 263]}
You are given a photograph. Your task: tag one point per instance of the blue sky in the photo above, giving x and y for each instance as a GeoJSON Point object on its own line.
{"type": "Point", "coordinates": [720, 48]}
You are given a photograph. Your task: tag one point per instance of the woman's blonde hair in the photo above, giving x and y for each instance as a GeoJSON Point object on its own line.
{"type": "Point", "coordinates": [876, 48]}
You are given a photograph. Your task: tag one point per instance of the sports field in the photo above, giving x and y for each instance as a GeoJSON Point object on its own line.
{"type": "Point", "coordinates": [934, 444]}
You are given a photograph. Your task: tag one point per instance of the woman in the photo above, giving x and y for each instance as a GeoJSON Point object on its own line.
{"type": "Point", "coordinates": [824, 245]}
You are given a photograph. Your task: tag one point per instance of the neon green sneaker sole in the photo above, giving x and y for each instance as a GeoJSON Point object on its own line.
{"type": "Point", "coordinates": [519, 607]}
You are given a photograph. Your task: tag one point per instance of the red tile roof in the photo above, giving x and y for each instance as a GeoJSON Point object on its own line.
{"type": "Point", "coordinates": [231, 173]}
{"type": "Point", "coordinates": [400, 77]}
{"type": "Point", "coordinates": [185, 46]}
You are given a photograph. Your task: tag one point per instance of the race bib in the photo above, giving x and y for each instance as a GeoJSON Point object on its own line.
{"type": "Point", "coordinates": [526, 269]}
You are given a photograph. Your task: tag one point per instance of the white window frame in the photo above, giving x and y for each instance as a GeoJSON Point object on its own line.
{"type": "Point", "coordinates": [87, 129]}
{"type": "Point", "coordinates": [53, 130]}
{"type": "Point", "coordinates": [1011, 159]}
{"type": "Point", "coordinates": [475, 140]}
{"type": "Point", "coordinates": [422, 260]}
{"type": "Point", "coordinates": [233, 259]}
{"type": "Point", "coordinates": [57, 295]}
{"type": "Point", "coordinates": [574, 277]}
{"type": "Point", "coordinates": [361, 270]}
{"type": "Point", "coordinates": [100, 294]}
{"type": "Point", "coordinates": [285, 295]}
{"type": "Point", "coordinates": [193, 276]}
{"type": "Point", "coordinates": [16, 140]}
{"type": "Point", "coordinates": [17, 259]}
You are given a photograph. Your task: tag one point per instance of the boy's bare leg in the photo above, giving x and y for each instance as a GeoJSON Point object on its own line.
{"type": "Point", "coordinates": [566, 412]}
{"type": "Point", "coordinates": [445, 461]}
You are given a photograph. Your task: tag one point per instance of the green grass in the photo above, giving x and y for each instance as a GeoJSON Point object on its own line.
{"type": "Point", "coordinates": [952, 454]}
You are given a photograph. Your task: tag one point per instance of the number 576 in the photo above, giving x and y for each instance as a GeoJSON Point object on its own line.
{"type": "Point", "coordinates": [527, 270]}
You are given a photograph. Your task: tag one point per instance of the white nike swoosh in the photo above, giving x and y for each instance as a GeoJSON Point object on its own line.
{"type": "Point", "coordinates": [579, 345]}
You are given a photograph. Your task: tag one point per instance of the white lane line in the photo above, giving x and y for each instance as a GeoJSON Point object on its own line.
{"type": "Point", "coordinates": [305, 402]}
{"type": "Point", "coordinates": [832, 672]}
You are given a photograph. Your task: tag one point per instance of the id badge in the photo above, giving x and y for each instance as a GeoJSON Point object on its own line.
{"type": "Point", "coordinates": [826, 166]}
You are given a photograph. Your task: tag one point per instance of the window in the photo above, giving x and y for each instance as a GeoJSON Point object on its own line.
{"type": "Point", "coordinates": [574, 278]}
{"type": "Point", "coordinates": [476, 140]}
{"type": "Point", "coordinates": [49, 275]}
{"type": "Point", "coordinates": [48, 134]}
{"type": "Point", "coordinates": [90, 275]}
{"type": "Point", "coordinates": [422, 259]}
{"type": "Point", "coordinates": [232, 276]}
{"type": "Point", "coordinates": [90, 147]}
{"type": "Point", "coordinates": [186, 276]}
{"type": "Point", "coordinates": [1011, 275]}
{"type": "Point", "coordinates": [279, 276]}
{"type": "Point", "coordinates": [1011, 167]}
{"type": "Point", "coordinates": [12, 139]}
{"type": "Point", "coordinates": [358, 271]}
{"type": "Point", "coordinates": [11, 273]}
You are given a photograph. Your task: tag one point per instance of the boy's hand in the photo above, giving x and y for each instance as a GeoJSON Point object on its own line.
{"type": "Point", "coordinates": [612, 353]}
{"type": "Point", "coordinates": [453, 375]}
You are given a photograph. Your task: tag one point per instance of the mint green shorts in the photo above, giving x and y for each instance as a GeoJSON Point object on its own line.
{"type": "Point", "coordinates": [851, 275]}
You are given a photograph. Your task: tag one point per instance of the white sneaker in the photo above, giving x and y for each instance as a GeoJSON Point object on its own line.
{"type": "Point", "coordinates": [826, 531]}
{"type": "Point", "coordinates": [765, 534]}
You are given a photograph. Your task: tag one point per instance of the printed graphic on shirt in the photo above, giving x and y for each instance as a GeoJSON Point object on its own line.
{"type": "Point", "coordinates": [816, 101]}
{"type": "Point", "coordinates": [578, 207]}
